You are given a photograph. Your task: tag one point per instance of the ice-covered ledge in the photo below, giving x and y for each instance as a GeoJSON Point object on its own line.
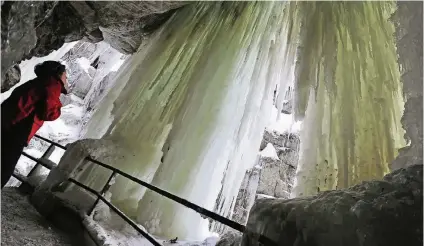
{"type": "Point", "coordinates": [74, 165]}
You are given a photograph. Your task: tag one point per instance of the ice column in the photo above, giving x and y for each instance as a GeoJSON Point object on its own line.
{"type": "Point", "coordinates": [348, 94]}
{"type": "Point", "coordinates": [217, 133]}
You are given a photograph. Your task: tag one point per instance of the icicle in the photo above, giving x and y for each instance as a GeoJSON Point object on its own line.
{"type": "Point", "coordinates": [223, 118]}
{"type": "Point", "coordinates": [348, 93]}
{"type": "Point", "coordinates": [191, 106]}
{"type": "Point", "coordinates": [201, 90]}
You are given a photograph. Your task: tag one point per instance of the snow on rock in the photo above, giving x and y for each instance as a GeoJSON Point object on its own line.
{"type": "Point", "coordinates": [280, 122]}
{"type": "Point", "coordinates": [280, 140]}
{"type": "Point", "coordinates": [269, 152]}
{"type": "Point", "coordinates": [117, 232]}
{"type": "Point", "coordinates": [84, 64]}
{"type": "Point", "coordinates": [272, 176]}
{"type": "Point", "coordinates": [379, 212]}
{"type": "Point", "coordinates": [65, 129]}
{"type": "Point", "coordinates": [230, 239]}
{"type": "Point", "coordinates": [262, 196]}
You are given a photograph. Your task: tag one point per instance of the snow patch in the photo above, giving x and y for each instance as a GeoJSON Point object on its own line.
{"type": "Point", "coordinates": [261, 196]}
{"type": "Point", "coordinates": [117, 65]}
{"type": "Point", "coordinates": [269, 151]}
{"type": "Point", "coordinates": [84, 63]}
{"type": "Point", "coordinates": [281, 122]}
{"type": "Point", "coordinates": [127, 236]}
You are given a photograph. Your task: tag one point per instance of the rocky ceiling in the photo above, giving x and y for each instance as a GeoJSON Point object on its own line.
{"type": "Point", "coordinates": [32, 28]}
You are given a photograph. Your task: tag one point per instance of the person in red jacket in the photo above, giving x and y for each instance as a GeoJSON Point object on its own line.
{"type": "Point", "coordinates": [24, 112]}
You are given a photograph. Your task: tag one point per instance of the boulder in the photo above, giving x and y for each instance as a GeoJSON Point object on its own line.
{"type": "Point", "coordinates": [374, 213]}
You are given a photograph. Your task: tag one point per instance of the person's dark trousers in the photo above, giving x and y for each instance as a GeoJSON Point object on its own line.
{"type": "Point", "coordinates": [13, 142]}
{"type": "Point", "coordinates": [10, 154]}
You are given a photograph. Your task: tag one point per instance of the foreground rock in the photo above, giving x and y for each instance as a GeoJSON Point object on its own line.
{"type": "Point", "coordinates": [230, 239]}
{"type": "Point", "coordinates": [387, 212]}
{"type": "Point", "coordinates": [22, 225]}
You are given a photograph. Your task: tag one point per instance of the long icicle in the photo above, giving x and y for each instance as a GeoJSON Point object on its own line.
{"type": "Point", "coordinates": [348, 93]}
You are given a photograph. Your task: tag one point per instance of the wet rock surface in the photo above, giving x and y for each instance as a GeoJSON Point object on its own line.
{"type": "Point", "coordinates": [280, 140]}
{"type": "Point", "coordinates": [37, 28]}
{"type": "Point", "coordinates": [22, 225]}
{"type": "Point", "coordinates": [384, 212]}
{"type": "Point", "coordinates": [271, 177]}
{"type": "Point", "coordinates": [276, 178]}
{"type": "Point", "coordinates": [246, 195]}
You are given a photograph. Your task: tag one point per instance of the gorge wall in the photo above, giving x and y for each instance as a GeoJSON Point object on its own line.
{"type": "Point", "coordinates": [37, 28]}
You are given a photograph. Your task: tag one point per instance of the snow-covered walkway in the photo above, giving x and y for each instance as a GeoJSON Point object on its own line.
{"type": "Point", "coordinates": [22, 225]}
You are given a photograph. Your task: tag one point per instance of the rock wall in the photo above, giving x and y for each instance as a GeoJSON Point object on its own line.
{"type": "Point", "coordinates": [387, 212]}
{"type": "Point", "coordinates": [37, 28]}
{"type": "Point", "coordinates": [276, 178]}
{"type": "Point", "coordinates": [87, 66]}
{"type": "Point", "coordinates": [409, 34]}
{"type": "Point", "coordinates": [272, 176]}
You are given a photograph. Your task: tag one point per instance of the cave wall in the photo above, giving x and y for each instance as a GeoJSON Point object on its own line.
{"type": "Point", "coordinates": [409, 34]}
{"type": "Point", "coordinates": [32, 28]}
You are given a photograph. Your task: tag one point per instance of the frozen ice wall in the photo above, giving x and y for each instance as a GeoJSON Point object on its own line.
{"type": "Point", "coordinates": [348, 94]}
{"type": "Point", "coordinates": [191, 105]}
{"type": "Point", "coordinates": [201, 92]}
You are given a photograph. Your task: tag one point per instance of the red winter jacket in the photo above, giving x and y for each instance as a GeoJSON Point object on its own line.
{"type": "Point", "coordinates": [38, 98]}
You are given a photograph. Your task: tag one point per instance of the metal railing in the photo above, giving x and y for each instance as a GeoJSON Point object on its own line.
{"type": "Point", "coordinates": [100, 196]}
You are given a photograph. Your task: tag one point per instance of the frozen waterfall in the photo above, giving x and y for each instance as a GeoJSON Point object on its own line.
{"type": "Point", "coordinates": [199, 93]}
{"type": "Point", "coordinates": [348, 93]}
{"type": "Point", "coordinates": [191, 105]}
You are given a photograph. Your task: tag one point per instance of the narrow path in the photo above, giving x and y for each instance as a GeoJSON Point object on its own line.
{"type": "Point", "coordinates": [22, 225]}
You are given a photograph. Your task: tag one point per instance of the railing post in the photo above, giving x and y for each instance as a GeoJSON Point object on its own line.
{"type": "Point", "coordinates": [100, 196]}
{"type": "Point", "coordinates": [37, 168]}
{"type": "Point", "coordinates": [102, 193]}
{"type": "Point", "coordinates": [25, 186]}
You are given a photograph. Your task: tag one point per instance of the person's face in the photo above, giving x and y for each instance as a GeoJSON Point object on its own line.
{"type": "Point", "coordinates": [64, 78]}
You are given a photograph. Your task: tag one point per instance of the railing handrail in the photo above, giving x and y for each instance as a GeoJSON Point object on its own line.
{"type": "Point", "coordinates": [237, 226]}
{"type": "Point", "coordinates": [50, 141]}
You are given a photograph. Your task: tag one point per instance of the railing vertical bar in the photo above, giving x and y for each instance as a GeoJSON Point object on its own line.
{"type": "Point", "coordinates": [46, 154]}
{"type": "Point", "coordinates": [177, 199]}
{"type": "Point", "coordinates": [104, 190]}
{"type": "Point", "coordinates": [122, 215]}
{"type": "Point", "coordinates": [261, 238]}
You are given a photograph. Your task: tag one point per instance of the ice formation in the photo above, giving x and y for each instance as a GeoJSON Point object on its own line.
{"type": "Point", "coordinates": [198, 96]}
{"type": "Point", "coordinates": [191, 105]}
{"type": "Point", "coordinates": [348, 94]}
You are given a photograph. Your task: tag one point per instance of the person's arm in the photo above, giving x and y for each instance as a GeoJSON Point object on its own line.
{"type": "Point", "coordinates": [49, 108]}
